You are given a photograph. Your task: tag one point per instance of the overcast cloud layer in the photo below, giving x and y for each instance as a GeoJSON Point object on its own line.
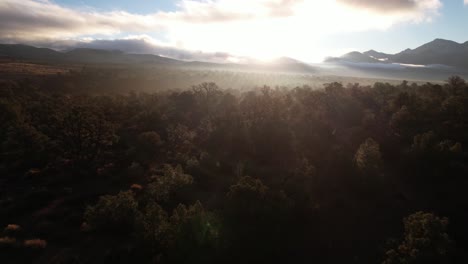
{"type": "Point", "coordinates": [261, 28]}
{"type": "Point", "coordinates": [388, 6]}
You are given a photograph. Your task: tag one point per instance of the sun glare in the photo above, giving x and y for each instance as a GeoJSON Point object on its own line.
{"type": "Point", "coordinates": [266, 38]}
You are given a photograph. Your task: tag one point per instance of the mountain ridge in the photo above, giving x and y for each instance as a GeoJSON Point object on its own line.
{"type": "Point", "coordinates": [113, 56]}
{"type": "Point", "coordinates": [439, 51]}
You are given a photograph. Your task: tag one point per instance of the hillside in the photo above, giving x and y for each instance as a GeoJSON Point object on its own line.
{"type": "Point", "coordinates": [102, 56]}
{"type": "Point", "coordinates": [438, 52]}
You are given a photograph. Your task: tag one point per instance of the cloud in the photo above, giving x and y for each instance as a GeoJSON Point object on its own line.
{"type": "Point", "coordinates": [146, 45]}
{"type": "Point", "coordinates": [395, 6]}
{"type": "Point", "coordinates": [465, 2]}
{"type": "Point", "coordinates": [259, 28]}
{"type": "Point", "coordinates": [230, 10]}
{"type": "Point", "coordinates": [28, 19]}
{"type": "Point", "coordinates": [294, 31]}
{"type": "Point", "coordinates": [383, 6]}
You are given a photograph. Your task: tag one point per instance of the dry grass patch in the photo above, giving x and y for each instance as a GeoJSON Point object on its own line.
{"type": "Point", "coordinates": [12, 228]}
{"type": "Point", "coordinates": [7, 241]}
{"type": "Point", "coordinates": [35, 243]}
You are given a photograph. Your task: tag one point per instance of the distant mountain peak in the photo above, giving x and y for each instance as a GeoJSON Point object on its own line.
{"type": "Point", "coordinates": [353, 57]}
{"type": "Point", "coordinates": [377, 55]}
{"type": "Point", "coordinates": [437, 52]}
{"type": "Point", "coordinates": [440, 44]}
{"type": "Point", "coordinates": [356, 56]}
{"type": "Point", "coordinates": [352, 53]}
{"type": "Point", "coordinates": [443, 40]}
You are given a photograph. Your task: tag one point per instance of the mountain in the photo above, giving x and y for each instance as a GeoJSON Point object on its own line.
{"type": "Point", "coordinates": [354, 57]}
{"type": "Point", "coordinates": [80, 55]}
{"type": "Point", "coordinates": [86, 55]}
{"type": "Point", "coordinates": [104, 56]}
{"type": "Point", "coordinates": [436, 52]}
{"type": "Point", "coordinates": [377, 55]}
{"type": "Point", "coordinates": [18, 51]}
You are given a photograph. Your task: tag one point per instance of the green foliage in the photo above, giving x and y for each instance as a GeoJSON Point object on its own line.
{"type": "Point", "coordinates": [425, 241]}
{"type": "Point", "coordinates": [181, 139]}
{"type": "Point", "coordinates": [85, 133]}
{"type": "Point", "coordinates": [190, 234]}
{"type": "Point", "coordinates": [9, 114]}
{"type": "Point", "coordinates": [254, 210]}
{"type": "Point", "coordinates": [113, 213]}
{"type": "Point", "coordinates": [454, 107]}
{"type": "Point", "coordinates": [304, 146]}
{"type": "Point", "coordinates": [302, 182]}
{"type": "Point", "coordinates": [153, 226]}
{"type": "Point", "coordinates": [368, 157]}
{"type": "Point", "coordinates": [148, 146]}
{"type": "Point", "coordinates": [425, 142]}
{"type": "Point", "coordinates": [250, 197]}
{"type": "Point", "coordinates": [163, 186]}
{"type": "Point", "coordinates": [195, 234]}
{"type": "Point", "coordinates": [247, 195]}
{"type": "Point", "coordinates": [401, 120]}
{"type": "Point", "coordinates": [448, 146]}
{"type": "Point", "coordinates": [25, 146]}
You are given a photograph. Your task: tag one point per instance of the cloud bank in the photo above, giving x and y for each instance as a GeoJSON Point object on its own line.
{"type": "Point", "coordinates": [35, 20]}
{"type": "Point", "coordinates": [259, 28]}
{"type": "Point", "coordinates": [146, 45]}
{"type": "Point", "coordinates": [391, 6]}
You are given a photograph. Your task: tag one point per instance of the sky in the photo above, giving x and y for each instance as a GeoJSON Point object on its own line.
{"type": "Point", "coordinates": [234, 30]}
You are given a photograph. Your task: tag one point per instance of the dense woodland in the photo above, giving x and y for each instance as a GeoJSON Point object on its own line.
{"type": "Point", "coordinates": [342, 174]}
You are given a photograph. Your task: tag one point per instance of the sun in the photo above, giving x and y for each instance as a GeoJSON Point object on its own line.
{"type": "Point", "coordinates": [263, 38]}
{"type": "Point", "coordinates": [297, 34]}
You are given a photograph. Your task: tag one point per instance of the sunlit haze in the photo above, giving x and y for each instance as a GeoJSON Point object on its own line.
{"type": "Point", "coordinates": [233, 131]}
{"type": "Point", "coordinates": [232, 30]}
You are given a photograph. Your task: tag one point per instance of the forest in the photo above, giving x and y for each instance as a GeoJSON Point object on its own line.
{"type": "Point", "coordinates": [343, 173]}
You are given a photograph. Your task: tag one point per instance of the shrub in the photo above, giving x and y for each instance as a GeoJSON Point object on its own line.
{"type": "Point", "coordinates": [148, 146]}
{"type": "Point", "coordinates": [425, 241]}
{"type": "Point", "coordinates": [153, 225]}
{"type": "Point", "coordinates": [368, 158]}
{"type": "Point", "coordinates": [424, 143]}
{"type": "Point", "coordinates": [190, 233]}
{"type": "Point", "coordinates": [164, 185]}
{"type": "Point", "coordinates": [113, 212]}
{"type": "Point", "coordinates": [194, 234]}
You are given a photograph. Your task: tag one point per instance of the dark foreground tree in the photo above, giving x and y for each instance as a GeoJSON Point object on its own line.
{"type": "Point", "coordinates": [425, 241]}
